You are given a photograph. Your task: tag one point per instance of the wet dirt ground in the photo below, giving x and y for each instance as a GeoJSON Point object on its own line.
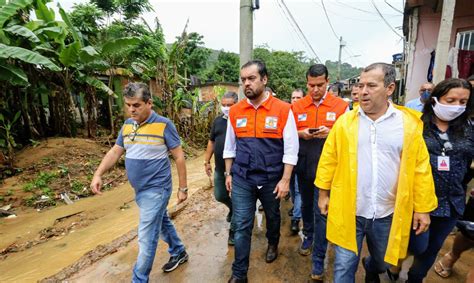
{"type": "Point", "coordinates": [203, 228]}
{"type": "Point", "coordinates": [98, 221]}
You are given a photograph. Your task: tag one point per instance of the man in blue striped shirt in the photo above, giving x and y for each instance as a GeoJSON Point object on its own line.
{"type": "Point", "coordinates": [146, 138]}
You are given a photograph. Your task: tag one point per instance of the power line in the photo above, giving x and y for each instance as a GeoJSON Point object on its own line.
{"type": "Point", "coordinates": [393, 7]}
{"type": "Point", "coordinates": [385, 21]}
{"type": "Point", "coordinates": [345, 5]}
{"type": "Point", "coordinates": [280, 10]}
{"type": "Point", "coordinates": [293, 26]}
{"type": "Point", "coordinates": [301, 32]}
{"type": "Point", "coordinates": [329, 21]}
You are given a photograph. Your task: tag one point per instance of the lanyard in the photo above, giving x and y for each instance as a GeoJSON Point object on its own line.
{"type": "Point", "coordinates": [443, 140]}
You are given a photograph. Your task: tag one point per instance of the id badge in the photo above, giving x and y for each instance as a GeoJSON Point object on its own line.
{"type": "Point", "coordinates": [443, 163]}
{"type": "Point", "coordinates": [331, 116]}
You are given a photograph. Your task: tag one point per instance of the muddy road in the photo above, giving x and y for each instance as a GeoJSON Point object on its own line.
{"type": "Point", "coordinates": [94, 240]}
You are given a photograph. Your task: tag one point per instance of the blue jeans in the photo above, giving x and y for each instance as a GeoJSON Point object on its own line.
{"type": "Point", "coordinates": [320, 242]}
{"type": "Point", "coordinates": [244, 198]}
{"type": "Point", "coordinates": [295, 198]}
{"type": "Point", "coordinates": [439, 230]}
{"type": "Point", "coordinates": [307, 189]}
{"type": "Point", "coordinates": [377, 232]}
{"type": "Point", "coordinates": [154, 222]}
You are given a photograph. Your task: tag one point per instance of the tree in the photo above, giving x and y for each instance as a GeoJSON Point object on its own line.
{"type": "Point", "coordinates": [286, 70]}
{"type": "Point", "coordinates": [225, 69]}
{"type": "Point", "coordinates": [347, 70]}
{"type": "Point", "coordinates": [195, 55]}
{"type": "Point", "coordinates": [88, 19]}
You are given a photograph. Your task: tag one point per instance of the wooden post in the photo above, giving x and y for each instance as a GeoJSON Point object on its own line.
{"type": "Point", "coordinates": [444, 36]}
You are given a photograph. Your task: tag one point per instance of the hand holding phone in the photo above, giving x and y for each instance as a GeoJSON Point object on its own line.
{"type": "Point", "coordinates": [313, 130]}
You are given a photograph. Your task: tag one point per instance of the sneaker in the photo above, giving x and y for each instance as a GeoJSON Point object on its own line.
{"type": "Point", "coordinates": [369, 277]}
{"type": "Point", "coordinates": [175, 261]}
{"type": "Point", "coordinates": [306, 246]}
{"type": "Point", "coordinates": [230, 240]}
{"type": "Point", "coordinates": [317, 277]}
{"type": "Point", "coordinates": [260, 208]}
{"type": "Point", "coordinates": [229, 217]}
{"type": "Point", "coordinates": [290, 212]}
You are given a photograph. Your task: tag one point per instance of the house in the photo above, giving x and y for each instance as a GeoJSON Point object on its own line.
{"type": "Point", "coordinates": [436, 48]}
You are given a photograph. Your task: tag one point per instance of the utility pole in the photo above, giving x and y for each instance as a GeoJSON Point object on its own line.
{"type": "Point", "coordinates": [341, 45]}
{"type": "Point", "coordinates": [444, 36]}
{"type": "Point", "coordinates": [246, 34]}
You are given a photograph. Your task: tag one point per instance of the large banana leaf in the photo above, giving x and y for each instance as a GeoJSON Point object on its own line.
{"type": "Point", "coordinates": [87, 54]}
{"type": "Point", "coordinates": [69, 55]}
{"type": "Point", "coordinates": [43, 12]}
{"type": "Point", "coordinates": [119, 45]}
{"type": "Point", "coordinates": [13, 75]}
{"type": "Point", "coordinates": [97, 84]}
{"type": "Point", "coordinates": [23, 32]}
{"type": "Point", "coordinates": [10, 9]}
{"type": "Point", "coordinates": [72, 28]}
{"type": "Point", "coordinates": [27, 56]}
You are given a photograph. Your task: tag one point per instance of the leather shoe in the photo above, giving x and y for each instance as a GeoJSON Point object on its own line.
{"type": "Point", "coordinates": [272, 253]}
{"type": "Point", "coordinates": [369, 277]}
{"type": "Point", "coordinates": [237, 280]}
{"type": "Point", "coordinates": [295, 226]}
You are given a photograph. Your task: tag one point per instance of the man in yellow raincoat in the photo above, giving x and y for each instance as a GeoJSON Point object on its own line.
{"type": "Point", "coordinates": [375, 179]}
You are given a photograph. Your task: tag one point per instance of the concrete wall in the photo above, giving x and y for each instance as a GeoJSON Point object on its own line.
{"type": "Point", "coordinates": [208, 94]}
{"type": "Point", "coordinates": [427, 37]}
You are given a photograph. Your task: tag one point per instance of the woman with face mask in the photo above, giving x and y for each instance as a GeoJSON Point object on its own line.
{"type": "Point", "coordinates": [449, 138]}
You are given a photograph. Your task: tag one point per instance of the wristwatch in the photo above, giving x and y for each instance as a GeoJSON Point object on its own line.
{"type": "Point", "coordinates": [183, 190]}
{"type": "Point", "coordinates": [227, 174]}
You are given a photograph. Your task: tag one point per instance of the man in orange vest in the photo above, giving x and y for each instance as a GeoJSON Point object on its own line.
{"type": "Point", "coordinates": [315, 115]}
{"type": "Point", "coordinates": [260, 150]}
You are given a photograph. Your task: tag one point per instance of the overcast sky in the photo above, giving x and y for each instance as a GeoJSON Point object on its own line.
{"type": "Point", "coordinates": [357, 21]}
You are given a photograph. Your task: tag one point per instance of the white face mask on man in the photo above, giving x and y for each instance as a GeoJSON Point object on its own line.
{"type": "Point", "coordinates": [225, 110]}
{"type": "Point", "coordinates": [447, 112]}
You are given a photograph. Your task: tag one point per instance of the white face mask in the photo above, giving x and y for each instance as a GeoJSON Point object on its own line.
{"type": "Point", "coordinates": [447, 112]}
{"type": "Point", "coordinates": [225, 110]}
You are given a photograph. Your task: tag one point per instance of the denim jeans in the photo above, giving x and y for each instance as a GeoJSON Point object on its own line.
{"type": "Point", "coordinates": [295, 198]}
{"type": "Point", "coordinates": [439, 230]}
{"type": "Point", "coordinates": [154, 223]}
{"type": "Point", "coordinates": [377, 232]}
{"type": "Point", "coordinates": [320, 242]}
{"type": "Point", "coordinates": [307, 189]}
{"type": "Point", "coordinates": [220, 192]}
{"type": "Point", "coordinates": [244, 198]}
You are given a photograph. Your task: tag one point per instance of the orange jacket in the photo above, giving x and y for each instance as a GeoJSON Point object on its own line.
{"type": "Point", "coordinates": [259, 140]}
{"type": "Point", "coordinates": [307, 115]}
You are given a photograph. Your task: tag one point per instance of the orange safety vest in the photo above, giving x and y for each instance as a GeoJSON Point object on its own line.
{"type": "Point", "coordinates": [308, 115]}
{"type": "Point", "coordinates": [259, 140]}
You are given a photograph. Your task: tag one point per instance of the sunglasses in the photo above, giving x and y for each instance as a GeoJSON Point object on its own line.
{"type": "Point", "coordinates": [133, 134]}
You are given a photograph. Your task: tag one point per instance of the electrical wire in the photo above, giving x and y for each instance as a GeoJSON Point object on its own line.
{"type": "Point", "coordinates": [283, 15]}
{"type": "Point", "coordinates": [393, 7]}
{"type": "Point", "coordinates": [345, 5]}
{"type": "Point", "coordinates": [301, 32]}
{"type": "Point", "coordinates": [385, 21]}
{"type": "Point", "coordinates": [329, 21]}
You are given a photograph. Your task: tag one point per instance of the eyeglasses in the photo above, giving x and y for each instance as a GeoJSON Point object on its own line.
{"type": "Point", "coordinates": [133, 134]}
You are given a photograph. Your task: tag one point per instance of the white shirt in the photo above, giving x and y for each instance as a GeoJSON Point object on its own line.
{"type": "Point", "coordinates": [379, 149]}
{"type": "Point", "coordinates": [290, 140]}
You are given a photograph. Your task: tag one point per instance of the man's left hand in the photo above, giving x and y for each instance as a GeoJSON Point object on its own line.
{"type": "Point", "coordinates": [182, 196]}
{"type": "Point", "coordinates": [322, 133]}
{"type": "Point", "coordinates": [421, 222]}
{"type": "Point", "coordinates": [282, 188]}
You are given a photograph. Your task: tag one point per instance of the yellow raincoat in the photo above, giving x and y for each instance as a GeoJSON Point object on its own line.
{"type": "Point", "coordinates": [337, 171]}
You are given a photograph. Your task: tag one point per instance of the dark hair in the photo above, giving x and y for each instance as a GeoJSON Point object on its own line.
{"type": "Point", "coordinates": [470, 78]}
{"type": "Point", "coordinates": [389, 73]}
{"type": "Point", "coordinates": [299, 90]}
{"type": "Point", "coordinates": [137, 90]}
{"type": "Point", "coordinates": [231, 94]}
{"type": "Point", "coordinates": [317, 70]}
{"type": "Point", "coordinates": [459, 124]}
{"type": "Point", "coordinates": [262, 69]}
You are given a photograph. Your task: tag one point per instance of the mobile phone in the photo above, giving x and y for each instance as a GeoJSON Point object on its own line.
{"type": "Point", "coordinates": [313, 130]}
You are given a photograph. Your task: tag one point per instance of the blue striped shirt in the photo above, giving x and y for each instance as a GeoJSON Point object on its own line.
{"type": "Point", "coordinates": [146, 151]}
